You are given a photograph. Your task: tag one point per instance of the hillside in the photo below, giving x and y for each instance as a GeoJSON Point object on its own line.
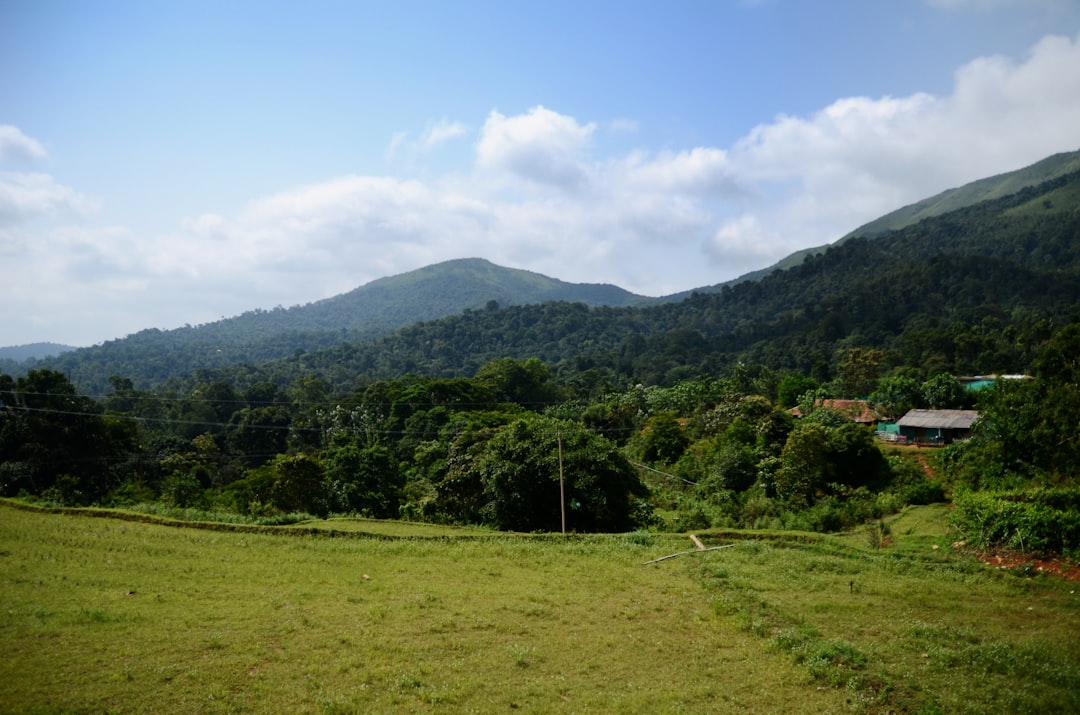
{"type": "Point", "coordinates": [987, 189]}
{"type": "Point", "coordinates": [994, 187]}
{"type": "Point", "coordinates": [152, 356]}
{"type": "Point", "coordinates": [18, 353]}
{"type": "Point", "coordinates": [428, 293]}
{"type": "Point", "coordinates": [965, 292]}
{"type": "Point", "coordinates": [954, 291]}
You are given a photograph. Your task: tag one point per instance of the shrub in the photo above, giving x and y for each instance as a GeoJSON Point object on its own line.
{"type": "Point", "coordinates": [1029, 520]}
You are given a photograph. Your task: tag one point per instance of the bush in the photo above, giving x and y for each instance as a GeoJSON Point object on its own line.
{"type": "Point", "coordinates": [1028, 520]}
{"type": "Point", "coordinates": [926, 491]}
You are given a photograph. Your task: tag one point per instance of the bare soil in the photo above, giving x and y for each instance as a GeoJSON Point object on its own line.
{"type": "Point", "coordinates": [1063, 568]}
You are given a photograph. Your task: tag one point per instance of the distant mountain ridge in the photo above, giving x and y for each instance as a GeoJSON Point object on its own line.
{"type": "Point", "coordinates": [1031, 232]}
{"type": "Point", "coordinates": [429, 293]}
{"type": "Point", "coordinates": [450, 287]}
{"type": "Point", "coordinates": [994, 187]}
{"type": "Point", "coordinates": [18, 353]}
{"type": "Point", "coordinates": [369, 311]}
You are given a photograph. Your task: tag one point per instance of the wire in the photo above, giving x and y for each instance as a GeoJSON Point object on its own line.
{"type": "Point", "coordinates": [670, 476]}
{"type": "Point", "coordinates": [234, 425]}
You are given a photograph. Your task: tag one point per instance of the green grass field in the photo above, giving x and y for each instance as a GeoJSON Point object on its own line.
{"type": "Point", "coordinates": [103, 615]}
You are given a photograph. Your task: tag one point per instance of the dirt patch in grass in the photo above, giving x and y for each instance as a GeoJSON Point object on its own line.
{"type": "Point", "coordinates": [1025, 563]}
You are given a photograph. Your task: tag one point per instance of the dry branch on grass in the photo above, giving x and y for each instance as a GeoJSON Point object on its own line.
{"type": "Point", "coordinates": [700, 549]}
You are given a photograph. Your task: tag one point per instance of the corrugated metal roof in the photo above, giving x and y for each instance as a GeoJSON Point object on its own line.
{"type": "Point", "coordinates": [939, 419]}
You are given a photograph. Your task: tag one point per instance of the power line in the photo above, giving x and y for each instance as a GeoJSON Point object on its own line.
{"type": "Point", "coordinates": [245, 425]}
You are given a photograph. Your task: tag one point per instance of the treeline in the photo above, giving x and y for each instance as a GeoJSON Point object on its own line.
{"type": "Point", "coordinates": [491, 448]}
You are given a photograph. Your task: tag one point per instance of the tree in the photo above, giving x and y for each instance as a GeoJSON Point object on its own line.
{"type": "Point", "coordinates": [525, 382]}
{"type": "Point", "coordinates": [792, 387]}
{"type": "Point", "coordinates": [518, 469]}
{"type": "Point", "coordinates": [943, 392]}
{"type": "Point", "coordinates": [664, 440]}
{"type": "Point", "coordinates": [854, 460]}
{"type": "Point", "coordinates": [47, 430]}
{"type": "Point", "coordinates": [1026, 431]}
{"type": "Point", "coordinates": [860, 370]}
{"type": "Point", "coordinates": [820, 458]}
{"type": "Point", "coordinates": [804, 460]}
{"type": "Point", "coordinates": [184, 481]}
{"type": "Point", "coordinates": [297, 484]}
{"type": "Point", "coordinates": [257, 434]}
{"type": "Point", "coordinates": [362, 480]}
{"type": "Point", "coordinates": [897, 395]}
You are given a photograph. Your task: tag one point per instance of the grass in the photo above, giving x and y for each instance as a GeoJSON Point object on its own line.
{"type": "Point", "coordinates": [404, 529]}
{"type": "Point", "coordinates": [102, 615]}
{"type": "Point", "coordinates": [917, 626]}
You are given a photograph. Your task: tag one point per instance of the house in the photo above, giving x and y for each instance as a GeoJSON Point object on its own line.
{"type": "Point", "coordinates": [982, 382]}
{"type": "Point", "coordinates": [937, 427]}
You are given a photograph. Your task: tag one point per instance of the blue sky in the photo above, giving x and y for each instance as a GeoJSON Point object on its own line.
{"type": "Point", "coordinates": [164, 164]}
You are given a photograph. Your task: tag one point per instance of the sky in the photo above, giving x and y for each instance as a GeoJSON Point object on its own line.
{"type": "Point", "coordinates": [169, 164]}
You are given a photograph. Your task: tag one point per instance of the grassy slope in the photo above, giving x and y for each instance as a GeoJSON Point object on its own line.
{"type": "Point", "coordinates": [105, 615]}
{"type": "Point", "coordinates": [993, 187]}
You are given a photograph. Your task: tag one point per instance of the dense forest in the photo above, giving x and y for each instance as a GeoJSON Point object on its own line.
{"type": "Point", "coordinates": [490, 449]}
{"type": "Point", "coordinates": [372, 310]}
{"type": "Point", "coordinates": [674, 415]}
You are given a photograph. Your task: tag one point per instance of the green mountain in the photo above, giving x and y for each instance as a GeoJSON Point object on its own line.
{"type": "Point", "coordinates": [987, 189]}
{"type": "Point", "coordinates": [967, 291]}
{"type": "Point", "coordinates": [449, 288]}
{"type": "Point", "coordinates": [994, 187]}
{"type": "Point", "coordinates": [972, 291]}
{"type": "Point", "coordinates": [18, 353]}
{"type": "Point", "coordinates": [428, 293]}
{"type": "Point", "coordinates": [152, 356]}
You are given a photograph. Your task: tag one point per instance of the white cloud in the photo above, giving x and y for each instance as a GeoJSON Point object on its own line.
{"type": "Point", "coordinates": [744, 244]}
{"type": "Point", "coordinates": [436, 134]}
{"type": "Point", "coordinates": [860, 158]}
{"type": "Point", "coordinates": [16, 145]}
{"type": "Point", "coordinates": [443, 130]}
{"type": "Point", "coordinates": [24, 196]}
{"type": "Point", "coordinates": [623, 125]}
{"type": "Point", "coordinates": [541, 146]}
{"type": "Point", "coordinates": [702, 170]}
{"type": "Point", "coordinates": [539, 196]}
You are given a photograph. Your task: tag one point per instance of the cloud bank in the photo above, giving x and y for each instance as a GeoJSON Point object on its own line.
{"type": "Point", "coordinates": [538, 195]}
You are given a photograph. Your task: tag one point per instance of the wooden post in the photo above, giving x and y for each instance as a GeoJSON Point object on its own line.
{"type": "Point", "coordinates": [562, 485]}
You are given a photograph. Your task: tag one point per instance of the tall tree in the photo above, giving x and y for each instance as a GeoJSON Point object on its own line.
{"type": "Point", "coordinates": [519, 472]}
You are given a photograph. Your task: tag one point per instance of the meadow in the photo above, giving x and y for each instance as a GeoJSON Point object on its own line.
{"type": "Point", "coordinates": [107, 615]}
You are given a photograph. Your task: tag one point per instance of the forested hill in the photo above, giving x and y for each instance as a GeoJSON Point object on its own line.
{"type": "Point", "coordinates": [437, 291]}
{"type": "Point", "coordinates": [969, 292]}
{"type": "Point", "coordinates": [33, 350]}
{"type": "Point", "coordinates": [376, 308]}
{"type": "Point", "coordinates": [988, 189]}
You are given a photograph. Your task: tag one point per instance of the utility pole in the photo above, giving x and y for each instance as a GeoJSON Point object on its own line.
{"type": "Point", "coordinates": [562, 485]}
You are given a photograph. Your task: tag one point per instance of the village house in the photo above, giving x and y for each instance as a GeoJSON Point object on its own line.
{"type": "Point", "coordinates": [936, 427]}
